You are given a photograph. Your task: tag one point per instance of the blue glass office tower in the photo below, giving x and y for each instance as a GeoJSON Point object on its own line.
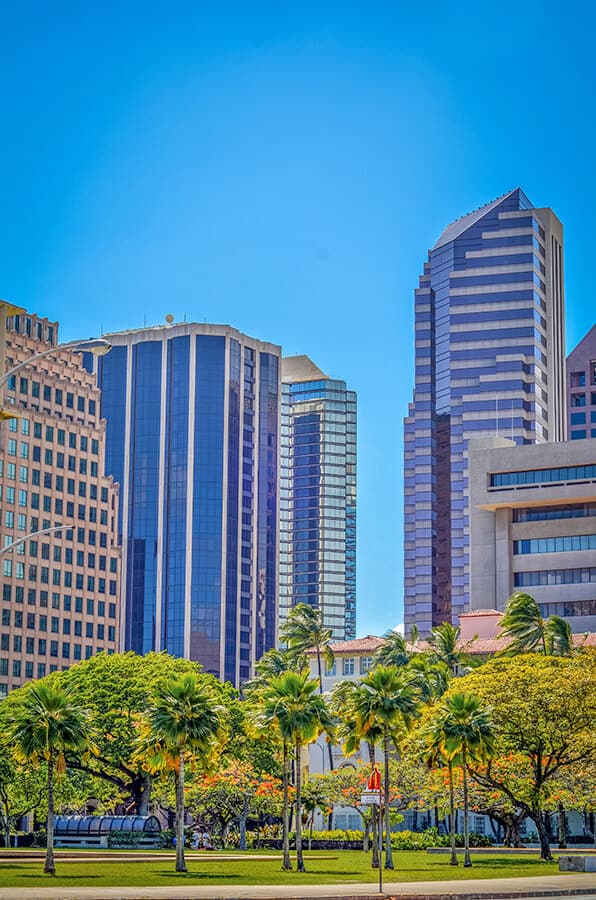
{"type": "Point", "coordinates": [490, 361]}
{"type": "Point", "coordinates": [192, 437]}
{"type": "Point", "coordinates": [318, 496]}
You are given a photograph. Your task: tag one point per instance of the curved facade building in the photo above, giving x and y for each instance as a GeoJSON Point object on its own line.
{"type": "Point", "coordinates": [193, 438]}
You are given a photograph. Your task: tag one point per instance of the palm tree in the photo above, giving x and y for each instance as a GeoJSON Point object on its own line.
{"type": "Point", "coordinates": [467, 733]}
{"type": "Point", "coordinates": [302, 631]}
{"type": "Point", "coordinates": [529, 631]}
{"type": "Point", "coordinates": [387, 700]}
{"type": "Point", "coordinates": [46, 725]}
{"type": "Point", "coordinates": [430, 676]}
{"type": "Point", "coordinates": [185, 718]}
{"type": "Point", "coordinates": [393, 651]}
{"type": "Point", "coordinates": [443, 641]}
{"type": "Point", "coordinates": [293, 703]}
{"type": "Point", "coordinates": [436, 754]}
{"type": "Point", "coordinates": [344, 702]}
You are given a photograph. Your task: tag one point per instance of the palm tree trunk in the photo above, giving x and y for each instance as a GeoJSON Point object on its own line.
{"type": "Point", "coordinates": [388, 852]}
{"type": "Point", "coordinates": [375, 862]}
{"type": "Point", "coordinates": [467, 860]}
{"type": "Point", "coordinates": [298, 783]}
{"type": "Point", "coordinates": [329, 745]}
{"type": "Point", "coordinates": [286, 863]}
{"type": "Point", "coordinates": [453, 860]}
{"type": "Point", "coordinates": [180, 863]}
{"type": "Point", "coordinates": [49, 867]}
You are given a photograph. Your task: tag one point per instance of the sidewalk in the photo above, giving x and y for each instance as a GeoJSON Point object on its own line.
{"type": "Point", "coordinates": [579, 886]}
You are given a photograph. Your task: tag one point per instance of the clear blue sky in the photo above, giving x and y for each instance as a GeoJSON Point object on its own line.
{"type": "Point", "coordinates": [283, 168]}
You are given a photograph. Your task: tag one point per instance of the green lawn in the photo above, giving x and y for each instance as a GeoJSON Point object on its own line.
{"type": "Point", "coordinates": [323, 867]}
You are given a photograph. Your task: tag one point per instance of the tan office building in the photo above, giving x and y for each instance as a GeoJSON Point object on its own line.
{"type": "Point", "coordinates": [533, 527]}
{"type": "Point", "coordinates": [59, 591]}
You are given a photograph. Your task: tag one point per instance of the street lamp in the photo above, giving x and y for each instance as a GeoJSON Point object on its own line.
{"type": "Point", "coordinates": [34, 534]}
{"type": "Point", "coordinates": [97, 346]}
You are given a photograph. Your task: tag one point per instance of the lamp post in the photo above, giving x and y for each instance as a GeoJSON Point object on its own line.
{"type": "Point", "coordinates": [34, 534]}
{"type": "Point", "coordinates": [97, 346]}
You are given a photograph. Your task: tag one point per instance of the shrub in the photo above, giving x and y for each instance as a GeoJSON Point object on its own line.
{"type": "Point", "coordinates": [124, 839]}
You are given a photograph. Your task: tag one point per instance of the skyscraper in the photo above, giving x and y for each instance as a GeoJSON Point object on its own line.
{"type": "Point", "coordinates": [489, 357]}
{"type": "Point", "coordinates": [60, 589]}
{"type": "Point", "coordinates": [192, 436]}
{"type": "Point", "coordinates": [318, 495]}
{"type": "Point", "coordinates": [581, 388]}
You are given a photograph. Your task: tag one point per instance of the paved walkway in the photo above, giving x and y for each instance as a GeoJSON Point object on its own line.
{"type": "Point", "coordinates": [581, 887]}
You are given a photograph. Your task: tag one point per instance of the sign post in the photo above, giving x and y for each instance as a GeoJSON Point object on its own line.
{"type": "Point", "coordinates": [374, 793]}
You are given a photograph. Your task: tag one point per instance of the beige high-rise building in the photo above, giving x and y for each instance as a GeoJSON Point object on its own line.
{"type": "Point", "coordinates": [59, 590]}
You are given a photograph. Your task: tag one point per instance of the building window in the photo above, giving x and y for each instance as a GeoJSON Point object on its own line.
{"type": "Point", "coordinates": [578, 418]}
{"type": "Point", "coordinates": [348, 666]}
{"type": "Point", "coordinates": [579, 434]}
{"type": "Point", "coordinates": [578, 379]}
{"type": "Point", "coordinates": [578, 399]}
{"type": "Point", "coordinates": [365, 664]}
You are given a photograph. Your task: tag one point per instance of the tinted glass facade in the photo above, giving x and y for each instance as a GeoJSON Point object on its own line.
{"type": "Point", "coordinates": [489, 362]}
{"type": "Point", "coordinates": [192, 431]}
{"type": "Point", "coordinates": [581, 388]}
{"type": "Point", "coordinates": [318, 507]}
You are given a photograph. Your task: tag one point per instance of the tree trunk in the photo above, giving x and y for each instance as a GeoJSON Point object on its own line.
{"type": "Point", "coordinates": [298, 785]}
{"type": "Point", "coordinates": [242, 825]}
{"type": "Point", "coordinates": [286, 862]}
{"type": "Point", "coordinates": [388, 853]}
{"type": "Point", "coordinates": [365, 834]}
{"type": "Point", "coordinates": [542, 835]}
{"type": "Point", "coordinates": [562, 827]}
{"type": "Point", "coordinates": [374, 822]}
{"type": "Point", "coordinates": [467, 860]}
{"type": "Point", "coordinates": [329, 745]}
{"type": "Point", "coordinates": [453, 859]}
{"type": "Point", "coordinates": [180, 863]}
{"type": "Point", "coordinates": [143, 796]}
{"type": "Point", "coordinates": [49, 867]}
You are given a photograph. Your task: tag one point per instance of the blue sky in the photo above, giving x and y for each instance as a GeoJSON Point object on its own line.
{"type": "Point", "coordinates": [283, 168]}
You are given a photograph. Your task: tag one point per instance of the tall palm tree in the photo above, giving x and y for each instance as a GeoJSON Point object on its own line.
{"type": "Point", "coordinates": [529, 631]}
{"type": "Point", "coordinates": [293, 703]}
{"type": "Point", "coordinates": [304, 630]}
{"type": "Point", "coordinates": [387, 700]}
{"type": "Point", "coordinates": [468, 733]}
{"type": "Point", "coordinates": [436, 754]}
{"type": "Point", "coordinates": [184, 719]}
{"type": "Point", "coordinates": [344, 702]}
{"type": "Point", "coordinates": [46, 725]}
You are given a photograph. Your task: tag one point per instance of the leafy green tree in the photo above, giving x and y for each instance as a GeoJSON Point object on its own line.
{"type": "Point", "coordinates": [185, 719]}
{"type": "Point", "coordinates": [116, 690]}
{"type": "Point", "coordinates": [291, 702]}
{"type": "Point", "coordinates": [47, 724]}
{"type": "Point", "coordinates": [389, 701]}
{"type": "Point", "coordinates": [444, 644]}
{"type": "Point", "coordinates": [468, 735]}
{"type": "Point", "coordinates": [529, 631]}
{"type": "Point", "coordinates": [543, 712]}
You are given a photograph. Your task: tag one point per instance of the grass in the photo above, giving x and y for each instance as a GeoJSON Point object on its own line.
{"type": "Point", "coordinates": [322, 868]}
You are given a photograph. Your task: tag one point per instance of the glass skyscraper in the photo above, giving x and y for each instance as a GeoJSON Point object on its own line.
{"type": "Point", "coordinates": [490, 361]}
{"type": "Point", "coordinates": [318, 496]}
{"type": "Point", "coordinates": [192, 437]}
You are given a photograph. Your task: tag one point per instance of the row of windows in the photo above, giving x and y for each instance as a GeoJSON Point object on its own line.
{"type": "Point", "coordinates": [580, 399]}
{"type": "Point", "coordinates": [569, 608]}
{"type": "Point", "coordinates": [556, 544]}
{"type": "Point", "coordinates": [59, 434]}
{"type": "Point", "coordinates": [33, 500]}
{"type": "Point", "coordinates": [61, 398]}
{"type": "Point", "coordinates": [542, 476]}
{"type": "Point", "coordinates": [49, 457]}
{"type": "Point", "coordinates": [77, 630]}
{"type": "Point", "coordinates": [43, 602]}
{"type": "Point", "coordinates": [580, 434]}
{"type": "Point", "coordinates": [545, 513]}
{"type": "Point", "coordinates": [580, 418]}
{"type": "Point", "coordinates": [350, 665]}
{"type": "Point", "coordinates": [50, 480]}
{"type": "Point", "coordinates": [18, 669]}
{"type": "Point", "coordinates": [38, 328]}
{"type": "Point", "coordinates": [586, 575]}
{"type": "Point", "coordinates": [578, 379]}
{"type": "Point", "coordinates": [42, 573]}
